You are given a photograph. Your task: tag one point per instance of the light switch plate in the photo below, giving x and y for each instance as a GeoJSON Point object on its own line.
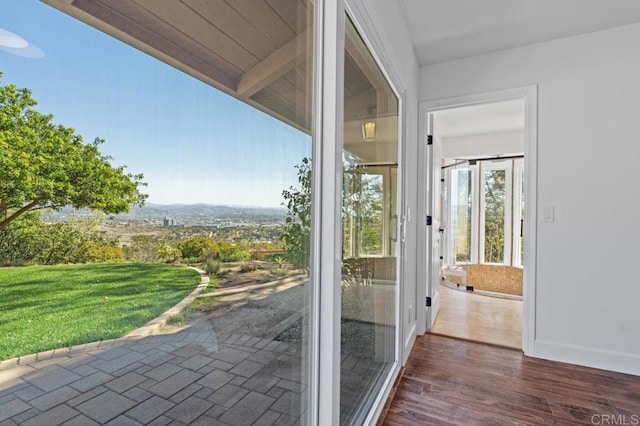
{"type": "Point", "coordinates": [548, 214]}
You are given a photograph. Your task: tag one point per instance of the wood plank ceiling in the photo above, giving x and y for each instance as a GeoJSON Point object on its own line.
{"type": "Point", "coordinates": [254, 50]}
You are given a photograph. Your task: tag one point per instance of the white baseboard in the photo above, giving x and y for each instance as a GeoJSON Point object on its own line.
{"type": "Point", "coordinates": [589, 357]}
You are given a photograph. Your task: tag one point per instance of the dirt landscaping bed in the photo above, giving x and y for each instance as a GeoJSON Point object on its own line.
{"type": "Point", "coordinates": [235, 274]}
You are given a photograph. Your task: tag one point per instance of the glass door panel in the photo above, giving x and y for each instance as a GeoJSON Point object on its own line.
{"type": "Point", "coordinates": [494, 215]}
{"type": "Point", "coordinates": [459, 217]}
{"type": "Point", "coordinates": [370, 230]}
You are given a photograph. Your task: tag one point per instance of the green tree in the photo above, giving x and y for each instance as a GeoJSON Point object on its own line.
{"type": "Point", "coordinates": [297, 228]}
{"type": "Point", "coordinates": [44, 165]}
{"type": "Point", "coordinates": [494, 216]}
{"type": "Point", "coordinates": [362, 213]}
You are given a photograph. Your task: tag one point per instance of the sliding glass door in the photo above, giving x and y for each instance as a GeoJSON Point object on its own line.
{"type": "Point", "coordinates": [371, 240]}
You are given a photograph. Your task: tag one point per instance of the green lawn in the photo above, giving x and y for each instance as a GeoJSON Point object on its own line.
{"type": "Point", "coordinates": [47, 307]}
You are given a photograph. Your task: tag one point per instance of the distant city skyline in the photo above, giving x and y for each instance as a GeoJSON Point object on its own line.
{"type": "Point", "coordinates": [193, 143]}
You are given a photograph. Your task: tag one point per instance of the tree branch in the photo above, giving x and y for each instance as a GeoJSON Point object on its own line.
{"type": "Point", "coordinates": [17, 213]}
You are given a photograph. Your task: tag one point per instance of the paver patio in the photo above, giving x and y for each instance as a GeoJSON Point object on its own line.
{"type": "Point", "coordinates": [190, 377]}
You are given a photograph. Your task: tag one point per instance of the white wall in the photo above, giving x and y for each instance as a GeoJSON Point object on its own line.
{"type": "Point", "coordinates": [389, 24]}
{"type": "Point", "coordinates": [507, 142]}
{"type": "Point", "coordinates": [588, 280]}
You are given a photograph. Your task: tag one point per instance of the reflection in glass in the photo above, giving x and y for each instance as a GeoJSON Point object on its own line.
{"type": "Point", "coordinates": [370, 223]}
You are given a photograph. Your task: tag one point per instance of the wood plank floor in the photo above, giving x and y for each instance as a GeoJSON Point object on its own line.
{"type": "Point", "coordinates": [479, 318]}
{"type": "Point", "coordinates": [456, 382]}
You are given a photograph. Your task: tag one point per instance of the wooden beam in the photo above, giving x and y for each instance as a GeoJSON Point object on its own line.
{"type": "Point", "coordinates": [272, 67]}
{"type": "Point", "coordinates": [357, 49]}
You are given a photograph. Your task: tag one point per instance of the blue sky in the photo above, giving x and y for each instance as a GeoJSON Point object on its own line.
{"type": "Point", "coordinates": [193, 143]}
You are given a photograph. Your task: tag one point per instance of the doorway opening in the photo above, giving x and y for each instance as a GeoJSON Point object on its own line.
{"type": "Point", "coordinates": [477, 250]}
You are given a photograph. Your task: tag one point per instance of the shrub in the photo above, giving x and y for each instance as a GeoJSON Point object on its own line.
{"type": "Point", "coordinates": [279, 273]}
{"type": "Point", "coordinates": [228, 252]}
{"type": "Point", "coordinates": [97, 253]}
{"type": "Point", "coordinates": [212, 267]}
{"type": "Point", "coordinates": [168, 253]}
{"type": "Point", "coordinates": [197, 247]}
{"type": "Point", "coordinates": [29, 240]}
{"type": "Point", "coordinates": [248, 267]}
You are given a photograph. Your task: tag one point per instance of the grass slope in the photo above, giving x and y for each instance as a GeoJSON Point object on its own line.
{"type": "Point", "coordinates": [47, 307]}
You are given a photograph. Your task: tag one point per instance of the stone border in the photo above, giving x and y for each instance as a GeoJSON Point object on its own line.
{"type": "Point", "coordinates": [149, 328]}
{"type": "Point", "coordinates": [157, 323]}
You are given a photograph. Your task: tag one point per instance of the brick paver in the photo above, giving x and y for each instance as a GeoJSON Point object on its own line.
{"type": "Point", "coordinates": [173, 384]}
{"type": "Point", "coordinates": [51, 399]}
{"type": "Point", "coordinates": [189, 410]}
{"type": "Point", "coordinates": [56, 416]}
{"type": "Point", "coordinates": [150, 409]}
{"type": "Point", "coordinates": [106, 406]}
{"type": "Point", "coordinates": [13, 407]}
{"type": "Point", "coordinates": [228, 395]}
{"type": "Point", "coordinates": [56, 377]}
{"type": "Point", "coordinates": [248, 409]}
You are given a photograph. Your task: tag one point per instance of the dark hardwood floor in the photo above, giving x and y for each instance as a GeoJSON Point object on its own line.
{"type": "Point", "coordinates": [455, 382]}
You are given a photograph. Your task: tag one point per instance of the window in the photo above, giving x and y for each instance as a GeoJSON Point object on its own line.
{"type": "Point", "coordinates": [369, 211]}
{"type": "Point", "coordinates": [495, 212]}
{"type": "Point", "coordinates": [460, 223]}
{"type": "Point", "coordinates": [483, 209]}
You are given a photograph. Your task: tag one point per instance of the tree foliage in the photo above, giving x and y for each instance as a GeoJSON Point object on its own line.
{"type": "Point", "coordinates": [45, 165]}
{"type": "Point", "coordinates": [196, 247]}
{"type": "Point", "coordinates": [297, 228]}
{"type": "Point", "coordinates": [494, 216]}
{"type": "Point", "coordinates": [28, 240]}
{"type": "Point", "coordinates": [362, 213]}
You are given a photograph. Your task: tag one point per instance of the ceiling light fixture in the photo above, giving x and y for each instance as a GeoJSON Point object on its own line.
{"type": "Point", "coordinates": [369, 131]}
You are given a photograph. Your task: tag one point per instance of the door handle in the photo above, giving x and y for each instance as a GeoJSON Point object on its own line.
{"type": "Point", "coordinates": [403, 229]}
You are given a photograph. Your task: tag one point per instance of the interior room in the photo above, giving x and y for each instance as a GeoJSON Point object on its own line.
{"type": "Point", "coordinates": [481, 222]}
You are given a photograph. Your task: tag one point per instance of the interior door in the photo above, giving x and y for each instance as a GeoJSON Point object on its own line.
{"type": "Point", "coordinates": [434, 232]}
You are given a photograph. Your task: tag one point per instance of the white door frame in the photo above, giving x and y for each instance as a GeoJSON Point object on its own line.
{"type": "Point", "coordinates": [530, 96]}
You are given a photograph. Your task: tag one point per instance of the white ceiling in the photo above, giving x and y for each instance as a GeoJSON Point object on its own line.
{"type": "Point", "coordinates": [480, 119]}
{"type": "Point", "coordinates": [445, 30]}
